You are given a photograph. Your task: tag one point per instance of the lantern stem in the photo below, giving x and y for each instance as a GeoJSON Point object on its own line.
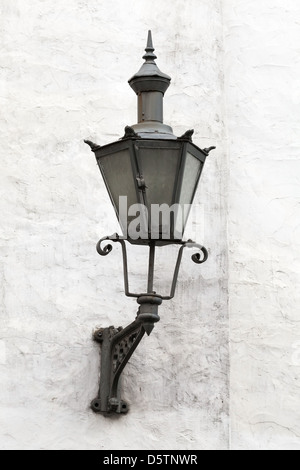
{"type": "Point", "coordinates": [151, 268]}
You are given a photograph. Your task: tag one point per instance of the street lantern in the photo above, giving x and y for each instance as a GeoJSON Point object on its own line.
{"type": "Point", "coordinates": [151, 177]}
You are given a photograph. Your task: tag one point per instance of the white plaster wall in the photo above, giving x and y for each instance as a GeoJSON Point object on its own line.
{"type": "Point", "coordinates": [262, 70]}
{"type": "Point", "coordinates": [63, 77]}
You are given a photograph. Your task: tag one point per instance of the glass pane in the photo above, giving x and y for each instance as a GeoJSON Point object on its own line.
{"type": "Point", "coordinates": [117, 171]}
{"type": "Point", "coordinates": [190, 178]}
{"type": "Point", "coordinates": [159, 167]}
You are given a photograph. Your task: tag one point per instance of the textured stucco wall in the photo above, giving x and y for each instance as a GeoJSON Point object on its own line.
{"type": "Point", "coordinates": [262, 70]}
{"type": "Point", "coordinates": [63, 78]}
{"type": "Point", "coordinates": [235, 79]}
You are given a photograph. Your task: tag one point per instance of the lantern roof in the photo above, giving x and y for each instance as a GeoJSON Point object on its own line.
{"type": "Point", "coordinates": [149, 77]}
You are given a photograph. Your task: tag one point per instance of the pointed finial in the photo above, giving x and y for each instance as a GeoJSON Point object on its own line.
{"type": "Point", "coordinates": [149, 40]}
{"type": "Point", "coordinates": [148, 327]}
{"type": "Point", "coordinates": [149, 77]}
{"type": "Point", "coordinates": [149, 56]}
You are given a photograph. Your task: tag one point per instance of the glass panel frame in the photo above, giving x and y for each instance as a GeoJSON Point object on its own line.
{"type": "Point", "coordinates": [111, 150]}
{"type": "Point", "coordinates": [156, 146]}
{"type": "Point", "coordinates": [189, 148]}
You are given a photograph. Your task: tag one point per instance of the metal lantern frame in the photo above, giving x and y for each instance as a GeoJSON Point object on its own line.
{"type": "Point", "coordinates": [149, 136]}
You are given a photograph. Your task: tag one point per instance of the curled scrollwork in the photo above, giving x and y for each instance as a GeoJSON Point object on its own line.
{"type": "Point", "coordinates": [197, 258]}
{"type": "Point", "coordinates": [107, 248]}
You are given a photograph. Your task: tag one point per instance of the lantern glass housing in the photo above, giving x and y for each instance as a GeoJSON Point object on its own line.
{"type": "Point", "coordinates": [151, 182]}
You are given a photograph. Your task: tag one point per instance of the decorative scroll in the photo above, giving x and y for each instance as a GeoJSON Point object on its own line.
{"type": "Point", "coordinates": [107, 249]}
{"type": "Point", "coordinates": [195, 257]}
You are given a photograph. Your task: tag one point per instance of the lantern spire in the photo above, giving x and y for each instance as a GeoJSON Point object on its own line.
{"type": "Point", "coordinates": [150, 85]}
{"type": "Point", "coordinates": [149, 56]}
{"type": "Point", "coordinates": [149, 77]}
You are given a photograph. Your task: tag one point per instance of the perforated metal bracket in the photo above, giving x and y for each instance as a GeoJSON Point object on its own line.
{"type": "Point", "coordinates": [117, 347]}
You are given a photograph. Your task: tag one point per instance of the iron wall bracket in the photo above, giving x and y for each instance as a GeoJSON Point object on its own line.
{"type": "Point", "coordinates": [117, 347]}
{"type": "Point", "coordinates": [118, 344]}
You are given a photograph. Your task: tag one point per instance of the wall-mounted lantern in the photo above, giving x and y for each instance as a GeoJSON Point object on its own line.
{"type": "Point", "coordinates": [151, 172]}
